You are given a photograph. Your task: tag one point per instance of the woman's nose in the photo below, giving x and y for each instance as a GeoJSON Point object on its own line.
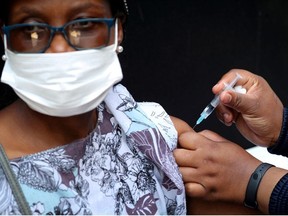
{"type": "Point", "coordinates": [59, 44]}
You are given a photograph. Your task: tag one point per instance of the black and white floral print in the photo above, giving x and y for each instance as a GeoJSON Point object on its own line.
{"type": "Point", "coordinates": [117, 169]}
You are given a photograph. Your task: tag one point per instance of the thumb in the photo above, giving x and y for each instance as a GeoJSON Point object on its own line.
{"type": "Point", "coordinates": [237, 101]}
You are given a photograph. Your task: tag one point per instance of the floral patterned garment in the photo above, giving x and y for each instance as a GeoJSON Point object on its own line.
{"type": "Point", "coordinates": [125, 166]}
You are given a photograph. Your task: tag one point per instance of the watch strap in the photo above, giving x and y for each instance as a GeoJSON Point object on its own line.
{"type": "Point", "coordinates": [253, 185]}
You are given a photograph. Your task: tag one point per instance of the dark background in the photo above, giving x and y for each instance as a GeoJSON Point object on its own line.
{"type": "Point", "coordinates": [176, 50]}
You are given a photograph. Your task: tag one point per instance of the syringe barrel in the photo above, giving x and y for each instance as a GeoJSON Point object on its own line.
{"type": "Point", "coordinates": [215, 102]}
{"type": "Point", "coordinates": [207, 111]}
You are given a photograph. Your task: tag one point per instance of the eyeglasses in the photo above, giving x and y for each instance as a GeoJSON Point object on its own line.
{"type": "Point", "coordinates": [88, 33]}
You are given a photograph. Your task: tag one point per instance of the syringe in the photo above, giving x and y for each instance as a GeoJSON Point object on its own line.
{"type": "Point", "coordinates": [215, 102]}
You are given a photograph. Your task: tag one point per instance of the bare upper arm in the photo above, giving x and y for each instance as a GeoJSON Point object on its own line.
{"type": "Point", "coordinates": [180, 125]}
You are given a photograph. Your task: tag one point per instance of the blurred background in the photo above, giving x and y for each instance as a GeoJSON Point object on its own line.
{"type": "Point", "coordinates": [175, 51]}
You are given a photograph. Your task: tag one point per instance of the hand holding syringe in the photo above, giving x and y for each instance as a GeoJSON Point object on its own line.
{"type": "Point", "coordinates": [215, 102]}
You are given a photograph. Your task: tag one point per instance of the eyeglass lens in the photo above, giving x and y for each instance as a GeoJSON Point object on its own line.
{"type": "Point", "coordinates": [82, 34]}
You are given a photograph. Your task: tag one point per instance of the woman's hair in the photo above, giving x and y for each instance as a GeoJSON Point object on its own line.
{"type": "Point", "coordinates": [119, 9]}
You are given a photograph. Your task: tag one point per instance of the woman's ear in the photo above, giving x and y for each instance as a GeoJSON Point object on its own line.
{"type": "Point", "coordinates": [120, 32]}
{"type": "Point", "coordinates": [120, 37]}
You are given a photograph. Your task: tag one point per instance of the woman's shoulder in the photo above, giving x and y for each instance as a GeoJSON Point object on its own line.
{"type": "Point", "coordinates": [180, 125]}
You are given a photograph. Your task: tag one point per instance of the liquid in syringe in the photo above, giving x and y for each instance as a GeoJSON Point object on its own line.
{"type": "Point", "coordinates": [215, 102]}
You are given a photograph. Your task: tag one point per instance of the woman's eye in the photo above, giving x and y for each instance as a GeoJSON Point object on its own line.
{"type": "Point", "coordinates": [33, 28]}
{"type": "Point", "coordinates": [85, 24]}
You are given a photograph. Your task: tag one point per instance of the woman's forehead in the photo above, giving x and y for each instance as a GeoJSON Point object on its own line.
{"type": "Point", "coordinates": [58, 3]}
{"type": "Point", "coordinates": [64, 9]}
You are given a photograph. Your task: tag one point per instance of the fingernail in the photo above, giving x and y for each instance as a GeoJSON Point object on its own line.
{"type": "Point", "coordinates": [215, 86]}
{"type": "Point", "coordinates": [226, 117]}
{"type": "Point", "coordinates": [227, 98]}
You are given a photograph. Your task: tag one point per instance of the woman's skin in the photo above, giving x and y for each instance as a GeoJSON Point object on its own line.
{"type": "Point", "coordinates": [24, 131]}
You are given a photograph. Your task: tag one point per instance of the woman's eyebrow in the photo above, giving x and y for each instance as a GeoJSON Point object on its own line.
{"type": "Point", "coordinates": [27, 11]}
{"type": "Point", "coordinates": [101, 9]}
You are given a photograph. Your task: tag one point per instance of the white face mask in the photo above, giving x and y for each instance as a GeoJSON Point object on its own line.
{"type": "Point", "coordinates": [63, 84]}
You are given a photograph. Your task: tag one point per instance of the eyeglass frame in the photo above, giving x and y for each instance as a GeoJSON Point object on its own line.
{"type": "Point", "coordinates": [53, 29]}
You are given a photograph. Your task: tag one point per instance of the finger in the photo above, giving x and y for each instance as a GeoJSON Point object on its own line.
{"type": "Point", "coordinates": [195, 190]}
{"type": "Point", "coordinates": [227, 115]}
{"type": "Point", "coordinates": [191, 175]}
{"type": "Point", "coordinates": [212, 136]}
{"type": "Point", "coordinates": [239, 102]}
{"type": "Point", "coordinates": [228, 77]}
{"type": "Point", "coordinates": [184, 158]}
{"type": "Point", "coordinates": [247, 80]}
{"type": "Point", "coordinates": [188, 140]}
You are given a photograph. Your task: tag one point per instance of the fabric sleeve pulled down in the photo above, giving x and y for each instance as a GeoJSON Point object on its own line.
{"type": "Point", "coordinates": [281, 146]}
{"type": "Point", "coordinates": [279, 198]}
